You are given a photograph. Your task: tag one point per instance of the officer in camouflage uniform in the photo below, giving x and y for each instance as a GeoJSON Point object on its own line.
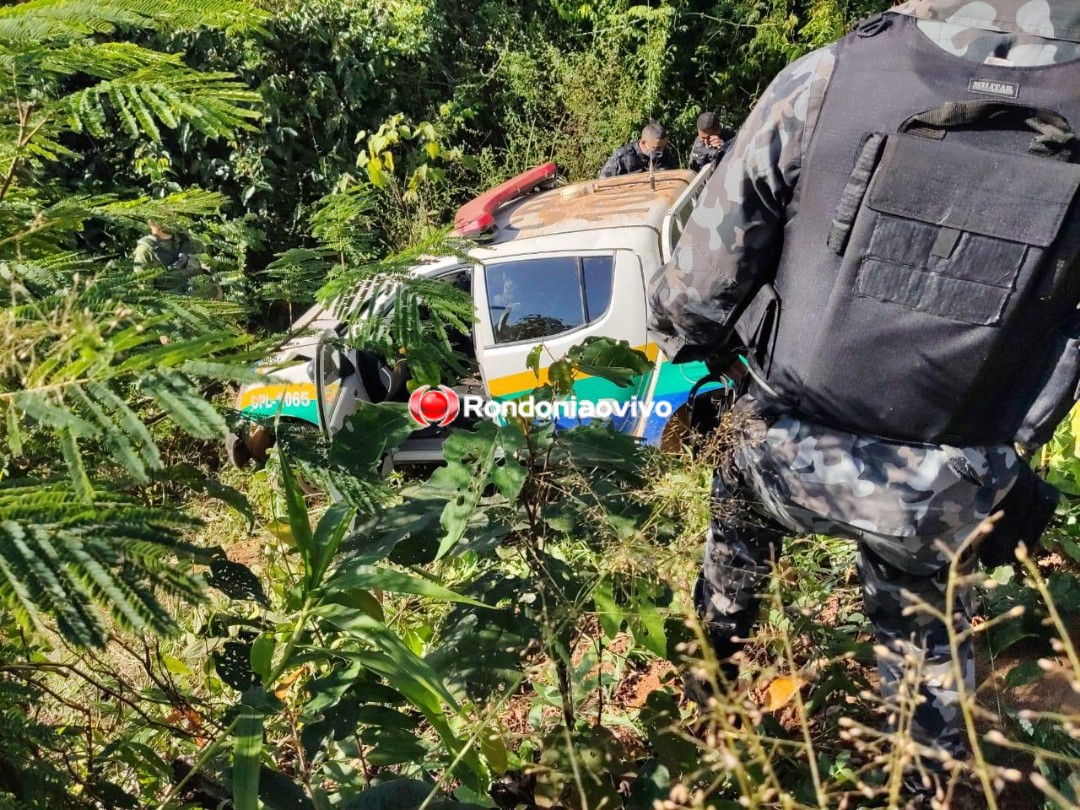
{"type": "Point", "coordinates": [909, 507]}
{"type": "Point", "coordinates": [176, 253]}
{"type": "Point", "coordinates": [636, 155]}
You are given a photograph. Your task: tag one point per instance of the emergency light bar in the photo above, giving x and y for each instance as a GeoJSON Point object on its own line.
{"type": "Point", "coordinates": [478, 215]}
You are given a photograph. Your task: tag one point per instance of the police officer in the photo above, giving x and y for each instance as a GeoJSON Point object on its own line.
{"type": "Point", "coordinates": [894, 236]}
{"type": "Point", "coordinates": [637, 156]}
{"type": "Point", "coordinates": [176, 253]}
{"type": "Point", "coordinates": [710, 144]}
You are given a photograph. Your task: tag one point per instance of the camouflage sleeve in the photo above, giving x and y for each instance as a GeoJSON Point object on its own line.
{"type": "Point", "coordinates": [144, 257]}
{"type": "Point", "coordinates": [195, 249]}
{"type": "Point", "coordinates": [733, 237]}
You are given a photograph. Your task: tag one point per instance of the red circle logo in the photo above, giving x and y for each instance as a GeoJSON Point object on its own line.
{"type": "Point", "coordinates": [434, 406]}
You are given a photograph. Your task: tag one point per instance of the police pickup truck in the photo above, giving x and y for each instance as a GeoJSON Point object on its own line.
{"type": "Point", "coordinates": [557, 264]}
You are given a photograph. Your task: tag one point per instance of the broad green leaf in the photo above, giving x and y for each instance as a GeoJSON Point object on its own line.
{"type": "Point", "coordinates": [608, 612]}
{"type": "Point", "coordinates": [470, 459]}
{"type": "Point", "coordinates": [609, 359]}
{"type": "Point", "coordinates": [69, 446]}
{"type": "Point", "coordinates": [262, 656]}
{"type": "Point", "coordinates": [328, 690]}
{"type": "Point", "coordinates": [375, 171]}
{"type": "Point", "coordinates": [332, 527]}
{"type": "Point", "coordinates": [480, 651]}
{"type": "Point", "coordinates": [236, 581]}
{"type": "Point", "coordinates": [494, 749]}
{"type": "Point", "coordinates": [247, 753]}
{"type": "Point", "coordinates": [645, 620]}
{"type": "Point", "coordinates": [384, 716]}
{"type": "Point", "coordinates": [598, 445]}
{"type": "Point", "coordinates": [509, 475]}
{"type": "Point", "coordinates": [368, 577]}
{"type": "Point", "coordinates": [232, 662]}
{"type": "Point", "coordinates": [651, 787]}
{"type": "Point", "coordinates": [561, 377]}
{"type": "Point", "coordinates": [175, 665]}
{"type": "Point", "coordinates": [1027, 671]}
{"type": "Point", "coordinates": [407, 663]}
{"type": "Point", "coordinates": [396, 794]}
{"type": "Point", "coordinates": [661, 719]}
{"type": "Point", "coordinates": [298, 514]}
{"type": "Point", "coordinates": [392, 746]}
{"type": "Point", "coordinates": [532, 360]}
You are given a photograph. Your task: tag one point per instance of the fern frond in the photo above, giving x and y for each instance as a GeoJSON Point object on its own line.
{"type": "Point", "coordinates": [181, 206]}
{"type": "Point", "coordinates": [69, 446]}
{"type": "Point", "coordinates": [417, 325]}
{"type": "Point", "coordinates": [130, 426]}
{"type": "Point", "coordinates": [106, 60]}
{"type": "Point", "coordinates": [42, 229]}
{"type": "Point", "coordinates": [113, 436]}
{"type": "Point", "coordinates": [342, 221]}
{"type": "Point", "coordinates": [51, 20]}
{"type": "Point", "coordinates": [295, 275]}
{"type": "Point", "coordinates": [215, 104]}
{"type": "Point", "coordinates": [184, 403]}
{"type": "Point", "coordinates": [79, 357]}
{"type": "Point", "coordinates": [90, 563]}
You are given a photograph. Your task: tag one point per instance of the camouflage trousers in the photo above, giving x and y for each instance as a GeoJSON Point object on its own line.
{"type": "Point", "coordinates": [908, 509]}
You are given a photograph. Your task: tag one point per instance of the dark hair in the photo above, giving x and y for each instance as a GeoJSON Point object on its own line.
{"type": "Point", "coordinates": [654, 131]}
{"type": "Point", "coordinates": [708, 122]}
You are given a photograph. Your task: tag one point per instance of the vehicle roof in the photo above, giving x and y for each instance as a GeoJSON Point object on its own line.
{"type": "Point", "coordinates": [628, 200]}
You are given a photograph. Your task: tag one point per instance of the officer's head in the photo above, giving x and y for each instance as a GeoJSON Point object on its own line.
{"type": "Point", "coordinates": [159, 230]}
{"type": "Point", "coordinates": [708, 124]}
{"type": "Point", "coordinates": [653, 139]}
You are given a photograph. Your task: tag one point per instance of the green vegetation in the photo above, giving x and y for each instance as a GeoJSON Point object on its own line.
{"type": "Point", "coordinates": [505, 632]}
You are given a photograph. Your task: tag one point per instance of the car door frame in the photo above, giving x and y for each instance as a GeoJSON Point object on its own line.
{"type": "Point", "coordinates": [627, 265]}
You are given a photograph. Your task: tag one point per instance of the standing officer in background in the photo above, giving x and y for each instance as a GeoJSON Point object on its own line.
{"type": "Point", "coordinates": [636, 156]}
{"type": "Point", "coordinates": [895, 236]}
{"type": "Point", "coordinates": [177, 254]}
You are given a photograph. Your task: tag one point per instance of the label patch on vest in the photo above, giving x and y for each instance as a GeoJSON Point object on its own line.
{"type": "Point", "coordinates": [990, 87]}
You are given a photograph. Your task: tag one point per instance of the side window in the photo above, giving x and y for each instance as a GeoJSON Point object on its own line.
{"type": "Point", "coordinates": [538, 298]}
{"type": "Point", "coordinates": [598, 272]}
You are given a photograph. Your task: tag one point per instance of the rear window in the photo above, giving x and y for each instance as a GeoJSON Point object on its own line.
{"type": "Point", "coordinates": [538, 298]}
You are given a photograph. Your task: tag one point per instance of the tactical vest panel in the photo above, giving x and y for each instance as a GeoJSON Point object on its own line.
{"type": "Point", "coordinates": [930, 275]}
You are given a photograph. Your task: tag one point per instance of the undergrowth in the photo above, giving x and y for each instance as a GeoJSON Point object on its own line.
{"type": "Point", "coordinates": [539, 665]}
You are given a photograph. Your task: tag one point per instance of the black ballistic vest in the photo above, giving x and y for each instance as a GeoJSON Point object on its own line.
{"type": "Point", "coordinates": [930, 275]}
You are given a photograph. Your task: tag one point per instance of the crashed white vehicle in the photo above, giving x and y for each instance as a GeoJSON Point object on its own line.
{"type": "Point", "coordinates": [557, 264]}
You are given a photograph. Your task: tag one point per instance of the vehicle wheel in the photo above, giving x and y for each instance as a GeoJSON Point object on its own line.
{"type": "Point", "coordinates": [237, 451]}
{"type": "Point", "coordinates": [259, 442]}
{"type": "Point", "coordinates": [252, 443]}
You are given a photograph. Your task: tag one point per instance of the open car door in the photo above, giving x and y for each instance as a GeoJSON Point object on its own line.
{"type": "Point", "coordinates": [337, 385]}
